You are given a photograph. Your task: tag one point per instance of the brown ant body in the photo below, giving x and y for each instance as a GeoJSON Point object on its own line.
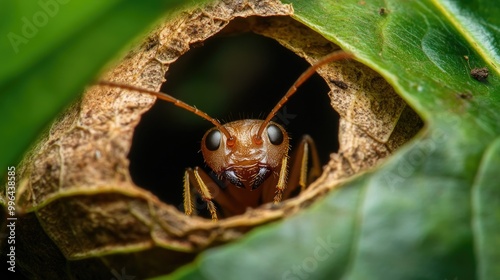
{"type": "Point", "coordinates": [249, 156]}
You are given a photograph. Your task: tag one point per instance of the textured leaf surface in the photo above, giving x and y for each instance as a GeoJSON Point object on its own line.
{"type": "Point", "coordinates": [431, 211]}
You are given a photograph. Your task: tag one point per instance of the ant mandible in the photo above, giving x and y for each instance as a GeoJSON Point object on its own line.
{"type": "Point", "coordinates": [244, 157]}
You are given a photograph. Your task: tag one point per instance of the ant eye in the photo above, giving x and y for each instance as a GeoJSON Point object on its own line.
{"type": "Point", "coordinates": [212, 141]}
{"type": "Point", "coordinates": [275, 134]}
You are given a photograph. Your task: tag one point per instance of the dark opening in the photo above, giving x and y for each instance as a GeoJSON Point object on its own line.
{"type": "Point", "coordinates": [230, 78]}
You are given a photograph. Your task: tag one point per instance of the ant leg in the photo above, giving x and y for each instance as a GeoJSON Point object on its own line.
{"type": "Point", "coordinates": [209, 191]}
{"type": "Point", "coordinates": [300, 173]}
{"type": "Point", "coordinates": [193, 177]}
{"type": "Point", "coordinates": [282, 180]}
{"type": "Point", "coordinates": [188, 196]}
{"type": "Point", "coordinates": [221, 194]}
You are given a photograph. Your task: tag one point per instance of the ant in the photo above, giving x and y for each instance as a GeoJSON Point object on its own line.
{"type": "Point", "coordinates": [249, 157]}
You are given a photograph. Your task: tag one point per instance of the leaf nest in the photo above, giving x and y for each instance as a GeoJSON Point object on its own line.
{"type": "Point", "coordinates": [76, 185]}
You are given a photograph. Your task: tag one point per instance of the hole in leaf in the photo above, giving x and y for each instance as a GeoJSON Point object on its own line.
{"type": "Point", "coordinates": [230, 78]}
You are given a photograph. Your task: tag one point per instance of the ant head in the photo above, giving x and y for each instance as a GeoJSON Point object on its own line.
{"type": "Point", "coordinates": [246, 158]}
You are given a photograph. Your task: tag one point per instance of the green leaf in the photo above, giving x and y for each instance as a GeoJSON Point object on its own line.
{"type": "Point", "coordinates": [429, 212]}
{"type": "Point", "coordinates": [50, 50]}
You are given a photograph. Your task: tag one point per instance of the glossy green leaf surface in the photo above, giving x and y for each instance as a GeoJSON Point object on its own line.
{"type": "Point", "coordinates": [432, 210]}
{"type": "Point", "coordinates": [50, 49]}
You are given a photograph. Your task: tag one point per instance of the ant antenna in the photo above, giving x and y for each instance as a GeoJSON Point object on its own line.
{"type": "Point", "coordinates": [337, 55]}
{"type": "Point", "coordinates": [175, 101]}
